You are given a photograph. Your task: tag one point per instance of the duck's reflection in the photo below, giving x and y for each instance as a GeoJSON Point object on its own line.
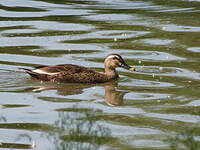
{"type": "Point", "coordinates": [113, 96]}
{"type": "Point", "coordinates": [78, 127]}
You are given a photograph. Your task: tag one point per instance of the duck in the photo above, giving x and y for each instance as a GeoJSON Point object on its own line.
{"type": "Point", "coordinates": [70, 73]}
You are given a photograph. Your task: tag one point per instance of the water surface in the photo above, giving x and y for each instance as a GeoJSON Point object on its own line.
{"type": "Point", "coordinates": [142, 110]}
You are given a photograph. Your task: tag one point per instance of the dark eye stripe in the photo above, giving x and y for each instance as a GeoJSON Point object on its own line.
{"type": "Point", "coordinates": [119, 59]}
{"type": "Point", "coordinates": [116, 58]}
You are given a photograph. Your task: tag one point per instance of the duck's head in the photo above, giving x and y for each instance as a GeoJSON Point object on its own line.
{"type": "Point", "coordinates": [113, 61]}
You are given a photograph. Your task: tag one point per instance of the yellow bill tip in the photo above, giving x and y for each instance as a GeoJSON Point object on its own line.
{"type": "Point", "coordinates": [132, 69]}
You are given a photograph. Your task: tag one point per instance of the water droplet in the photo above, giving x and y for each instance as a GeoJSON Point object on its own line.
{"type": "Point", "coordinates": [164, 28]}
{"type": "Point", "coordinates": [139, 61]}
{"type": "Point", "coordinates": [33, 144]}
{"type": "Point", "coordinates": [153, 75]}
{"type": "Point", "coordinates": [115, 39]}
{"type": "Point", "coordinates": [161, 68]}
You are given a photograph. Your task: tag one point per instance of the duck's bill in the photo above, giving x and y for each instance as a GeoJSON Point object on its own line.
{"type": "Point", "coordinates": [125, 66]}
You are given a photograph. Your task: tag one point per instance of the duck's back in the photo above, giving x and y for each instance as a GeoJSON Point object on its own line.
{"type": "Point", "coordinates": [79, 74]}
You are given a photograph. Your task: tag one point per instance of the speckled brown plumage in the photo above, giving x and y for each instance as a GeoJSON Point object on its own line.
{"type": "Point", "coordinates": [79, 74]}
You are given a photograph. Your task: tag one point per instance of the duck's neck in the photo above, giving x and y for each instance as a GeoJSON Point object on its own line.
{"type": "Point", "coordinates": [110, 73]}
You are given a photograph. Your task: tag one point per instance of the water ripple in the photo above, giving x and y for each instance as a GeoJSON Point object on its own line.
{"type": "Point", "coordinates": [180, 28]}
{"type": "Point", "coordinates": [169, 71]}
{"type": "Point", "coordinates": [146, 96]}
{"type": "Point", "coordinates": [146, 83]}
{"type": "Point", "coordinates": [47, 25]}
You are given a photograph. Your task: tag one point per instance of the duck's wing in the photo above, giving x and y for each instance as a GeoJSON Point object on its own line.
{"type": "Point", "coordinates": [46, 73]}
{"type": "Point", "coordinates": [52, 70]}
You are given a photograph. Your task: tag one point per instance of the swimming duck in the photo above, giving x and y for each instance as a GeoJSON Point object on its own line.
{"type": "Point", "coordinates": [78, 74]}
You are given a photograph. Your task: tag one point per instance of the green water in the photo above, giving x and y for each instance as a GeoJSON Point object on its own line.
{"type": "Point", "coordinates": [155, 108]}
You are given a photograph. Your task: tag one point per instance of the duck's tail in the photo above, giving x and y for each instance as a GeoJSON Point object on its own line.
{"type": "Point", "coordinates": [24, 69]}
{"type": "Point", "coordinates": [31, 73]}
